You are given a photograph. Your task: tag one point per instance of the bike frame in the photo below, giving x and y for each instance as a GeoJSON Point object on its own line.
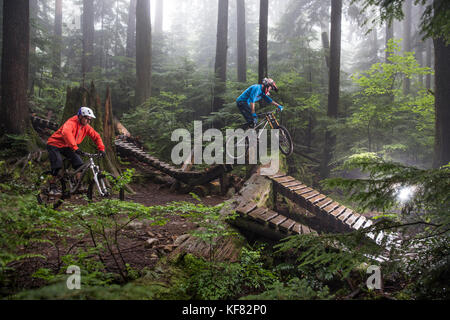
{"type": "Point", "coordinates": [83, 169]}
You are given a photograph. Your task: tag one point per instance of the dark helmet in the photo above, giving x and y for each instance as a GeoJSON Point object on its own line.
{"type": "Point", "coordinates": [269, 83]}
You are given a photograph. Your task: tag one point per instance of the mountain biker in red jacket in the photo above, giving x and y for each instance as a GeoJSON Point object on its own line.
{"type": "Point", "coordinates": [66, 139]}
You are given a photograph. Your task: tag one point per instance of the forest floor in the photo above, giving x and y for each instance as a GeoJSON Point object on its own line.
{"type": "Point", "coordinates": [141, 244]}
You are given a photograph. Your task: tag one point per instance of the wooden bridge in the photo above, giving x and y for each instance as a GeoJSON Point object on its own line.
{"type": "Point", "coordinates": [334, 217]}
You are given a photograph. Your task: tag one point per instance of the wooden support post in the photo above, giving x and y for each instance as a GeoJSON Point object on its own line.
{"type": "Point", "coordinates": [275, 195]}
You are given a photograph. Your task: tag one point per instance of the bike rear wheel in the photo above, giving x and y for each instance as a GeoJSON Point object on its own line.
{"type": "Point", "coordinates": [285, 141]}
{"type": "Point", "coordinates": [46, 198]}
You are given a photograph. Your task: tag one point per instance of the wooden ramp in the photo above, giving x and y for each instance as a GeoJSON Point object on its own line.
{"type": "Point", "coordinates": [337, 217]}
{"type": "Point", "coordinates": [272, 221]}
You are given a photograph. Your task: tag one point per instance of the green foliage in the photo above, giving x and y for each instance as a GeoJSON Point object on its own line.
{"type": "Point", "coordinates": [122, 180]}
{"type": "Point", "coordinates": [385, 115]}
{"type": "Point", "coordinates": [216, 281]}
{"type": "Point", "coordinates": [422, 215]}
{"type": "Point", "coordinates": [294, 289]}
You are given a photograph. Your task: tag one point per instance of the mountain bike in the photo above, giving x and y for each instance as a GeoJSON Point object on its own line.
{"type": "Point", "coordinates": [69, 185]}
{"type": "Point", "coordinates": [286, 145]}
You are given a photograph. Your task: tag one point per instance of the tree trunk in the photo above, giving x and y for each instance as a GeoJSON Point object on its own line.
{"type": "Point", "coordinates": [15, 117]}
{"type": "Point", "coordinates": [220, 66]}
{"type": "Point", "coordinates": [56, 70]}
{"type": "Point", "coordinates": [88, 37]}
{"type": "Point", "coordinates": [407, 39]}
{"type": "Point", "coordinates": [389, 36]}
{"type": "Point", "coordinates": [131, 30]}
{"type": "Point", "coordinates": [333, 91]}
{"type": "Point", "coordinates": [441, 102]}
{"type": "Point", "coordinates": [429, 44]}
{"type": "Point", "coordinates": [34, 8]}
{"type": "Point", "coordinates": [143, 51]}
{"type": "Point", "coordinates": [241, 42]}
{"type": "Point", "coordinates": [159, 17]}
{"type": "Point", "coordinates": [263, 31]}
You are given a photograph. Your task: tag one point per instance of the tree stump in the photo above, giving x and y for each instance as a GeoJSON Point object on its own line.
{"type": "Point", "coordinates": [256, 189]}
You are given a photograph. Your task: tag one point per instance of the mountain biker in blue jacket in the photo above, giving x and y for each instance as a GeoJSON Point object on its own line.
{"type": "Point", "coordinates": [246, 101]}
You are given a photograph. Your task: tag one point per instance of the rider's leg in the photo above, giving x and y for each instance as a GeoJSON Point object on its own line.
{"type": "Point", "coordinates": [56, 164]}
{"type": "Point", "coordinates": [246, 111]}
{"type": "Point", "coordinates": [75, 160]}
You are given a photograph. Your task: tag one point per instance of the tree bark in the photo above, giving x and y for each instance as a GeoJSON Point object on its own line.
{"type": "Point", "coordinates": [88, 37]}
{"type": "Point", "coordinates": [34, 8]}
{"type": "Point", "coordinates": [334, 80]}
{"type": "Point", "coordinates": [15, 54]}
{"type": "Point", "coordinates": [241, 42]}
{"type": "Point", "coordinates": [56, 70]}
{"type": "Point", "coordinates": [429, 49]}
{"type": "Point", "coordinates": [159, 17]}
{"type": "Point", "coordinates": [131, 30]}
{"type": "Point", "coordinates": [389, 36]}
{"type": "Point", "coordinates": [263, 31]}
{"type": "Point", "coordinates": [143, 51]}
{"type": "Point", "coordinates": [407, 39]}
{"type": "Point", "coordinates": [220, 66]}
{"type": "Point", "coordinates": [441, 102]}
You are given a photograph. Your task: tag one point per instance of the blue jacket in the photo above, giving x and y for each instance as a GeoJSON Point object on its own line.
{"type": "Point", "coordinates": [252, 94]}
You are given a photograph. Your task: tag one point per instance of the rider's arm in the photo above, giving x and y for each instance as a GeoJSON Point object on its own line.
{"type": "Point", "coordinates": [252, 106]}
{"type": "Point", "coordinates": [96, 138]}
{"type": "Point", "coordinates": [275, 103]}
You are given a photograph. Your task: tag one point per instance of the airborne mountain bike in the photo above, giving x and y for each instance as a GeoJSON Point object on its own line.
{"type": "Point", "coordinates": [286, 145]}
{"type": "Point", "coordinates": [69, 185]}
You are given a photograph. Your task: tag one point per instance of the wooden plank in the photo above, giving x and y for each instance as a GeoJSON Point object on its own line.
{"type": "Point", "coordinates": [317, 198]}
{"type": "Point", "coordinates": [302, 186]}
{"type": "Point", "coordinates": [359, 223]}
{"type": "Point", "coordinates": [352, 219]}
{"type": "Point", "coordinates": [338, 211]}
{"type": "Point", "coordinates": [302, 191]}
{"type": "Point", "coordinates": [277, 175]}
{"type": "Point", "coordinates": [257, 212]}
{"type": "Point", "coordinates": [368, 223]}
{"type": "Point", "coordinates": [287, 225]}
{"type": "Point", "coordinates": [310, 195]}
{"type": "Point", "coordinates": [345, 215]}
{"type": "Point", "coordinates": [245, 209]}
{"type": "Point", "coordinates": [297, 228]}
{"type": "Point", "coordinates": [322, 204]}
{"type": "Point", "coordinates": [291, 183]}
{"type": "Point", "coordinates": [284, 179]}
{"type": "Point", "coordinates": [305, 229]}
{"type": "Point", "coordinates": [331, 207]}
{"type": "Point", "coordinates": [267, 216]}
{"type": "Point", "coordinates": [277, 220]}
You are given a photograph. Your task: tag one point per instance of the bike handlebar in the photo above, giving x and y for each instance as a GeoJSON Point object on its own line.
{"type": "Point", "coordinates": [264, 113]}
{"type": "Point", "coordinates": [92, 155]}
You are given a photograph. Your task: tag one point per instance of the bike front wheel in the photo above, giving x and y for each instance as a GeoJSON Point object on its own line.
{"type": "Point", "coordinates": [100, 189]}
{"type": "Point", "coordinates": [285, 141]}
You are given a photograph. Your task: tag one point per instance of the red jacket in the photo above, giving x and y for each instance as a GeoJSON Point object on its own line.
{"type": "Point", "coordinates": [72, 133]}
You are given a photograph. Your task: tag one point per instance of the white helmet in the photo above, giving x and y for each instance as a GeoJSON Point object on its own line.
{"type": "Point", "coordinates": [86, 112]}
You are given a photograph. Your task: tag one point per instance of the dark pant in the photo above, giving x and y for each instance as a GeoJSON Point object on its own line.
{"type": "Point", "coordinates": [56, 162]}
{"type": "Point", "coordinates": [246, 111]}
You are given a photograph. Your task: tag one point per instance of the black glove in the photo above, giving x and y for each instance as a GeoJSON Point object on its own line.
{"type": "Point", "coordinates": [79, 152]}
{"type": "Point", "coordinates": [102, 153]}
